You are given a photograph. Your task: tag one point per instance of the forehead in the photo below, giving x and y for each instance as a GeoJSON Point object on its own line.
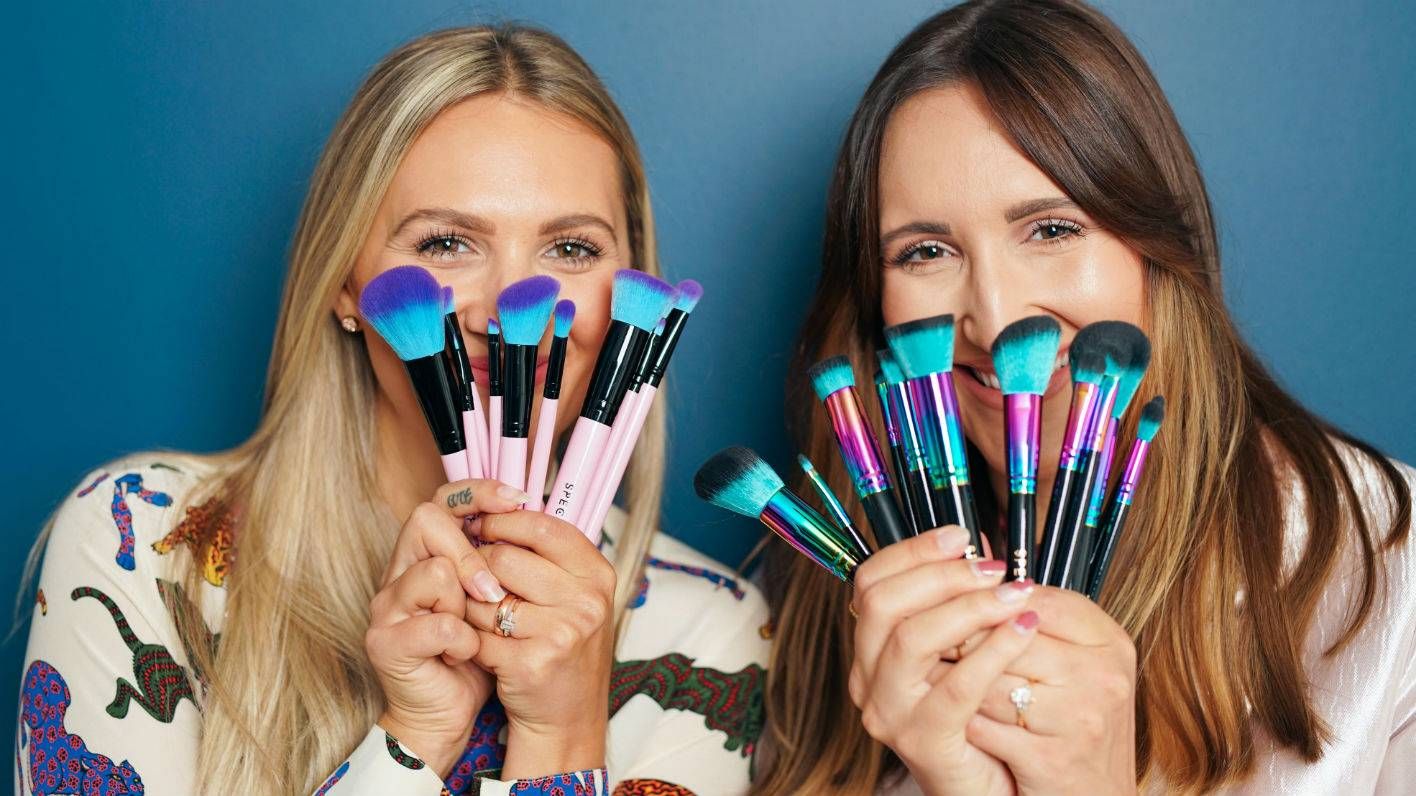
{"type": "Point", "coordinates": [501, 156]}
{"type": "Point", "coordinates": [944, 148]}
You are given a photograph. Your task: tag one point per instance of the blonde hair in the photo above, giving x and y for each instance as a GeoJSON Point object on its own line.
{"type": "Point", "coordinates": [292, 691]}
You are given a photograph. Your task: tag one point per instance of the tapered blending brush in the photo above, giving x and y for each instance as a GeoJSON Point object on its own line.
{"type": "Point", "coordinates": [1024, 355]}
{"type": "Point", "coordinates": [474, 426]}
{"type": "Point", "coordinates": [913, 476]}
{"type": "Point", "coordinates": [925, 350]}
{"type": "Point", "coordinates": [405, 306]}
{"type": "Point", "coordinates": [738, 480]}
{"type": "Point", "coordinates": [890, 416]}
{"type": "Point", "coordinates": [1086, 360]}
{"type": "Point", "coordinates": [1123, 344]}
{"type": "Point", "coordinates": [1126, 387]}
{"type": "Point", "coordinates": [835, 386]}
{"type": "Point", "coordinates": [494, 394]}
{"type": "Point", "coordinates": [834, 508]}
{"type": "Point", "coordinates": [524, 309]}
{"type": "Point", "coordinates": [563, 317]}
{"type": "Point", "coordinates": [637, 303]}
{"type": "Point", "coordinates": [1152, 415]}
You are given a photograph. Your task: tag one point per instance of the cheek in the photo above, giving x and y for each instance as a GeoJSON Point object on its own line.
{"type": "Point", "coordinates": [1106, 284]}
{"type": "Point", "coordinates": [906, 297]}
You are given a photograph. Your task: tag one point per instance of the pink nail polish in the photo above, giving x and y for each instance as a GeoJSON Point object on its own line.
{"type": "Point", "coordinates": [487, 584]}
{"type": "Point", "coordinates": [988, 567]}
{"type": "Point", "coordinates": [1014, 591]}
{"type": "Point", "coordinates": [1026, 622]}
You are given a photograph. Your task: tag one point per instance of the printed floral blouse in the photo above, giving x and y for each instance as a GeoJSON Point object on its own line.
{"type": "Point", "coordinates": [109, 696]}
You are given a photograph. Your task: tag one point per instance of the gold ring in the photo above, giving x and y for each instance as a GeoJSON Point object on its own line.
{"type": "Point", "coordinates": [1022, 699]}
{"type": "Point", "coordinates": [506, 615]}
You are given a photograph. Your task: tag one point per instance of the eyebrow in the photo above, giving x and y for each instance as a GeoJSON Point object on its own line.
{"type": "Point", "coordinates": [446, 215]}
{"type": "Point", "coordinates": [915, 228]}
{"type": "Point", "coordinates": [577, 220]}
{"type": "Point", "coordinates": [1024, 209]}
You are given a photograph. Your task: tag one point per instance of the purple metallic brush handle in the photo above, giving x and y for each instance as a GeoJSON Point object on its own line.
{"type": "Point", "coordinates": [1075, 539]}
{"type": "Point", "coordinates": [865, 466]}
{"type": "Point", "coordinates": [1103, 474]}
{"type": "Point", "coordinates": [891, 415]}
{"type": "Point", "coordinates": [1022, 417]}
{"type": "Point", "coordinates": [1084, 399]}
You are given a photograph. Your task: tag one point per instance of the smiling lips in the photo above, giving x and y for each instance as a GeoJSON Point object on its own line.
{"type": "Point", "coordinates": [989, 378]}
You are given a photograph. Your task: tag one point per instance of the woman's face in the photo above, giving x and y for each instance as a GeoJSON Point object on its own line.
{"type": "Point", "coordinates": [970, 226]}
{"type": "Point", "coordinates": [496, 190]}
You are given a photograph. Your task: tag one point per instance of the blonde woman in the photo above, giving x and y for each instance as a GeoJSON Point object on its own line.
{"type": "Point", "coordinates": [304, 613]}
{"type": "Point", "coordinates": [1014, 158]}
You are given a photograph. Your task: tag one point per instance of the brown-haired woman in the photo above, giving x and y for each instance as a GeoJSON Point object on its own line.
{"type": "Point", "coordinates": [1016, 158]}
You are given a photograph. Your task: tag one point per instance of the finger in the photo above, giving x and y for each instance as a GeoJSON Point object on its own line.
{"type": "Point", "coordinates": [432, 531]}
{"type": "Point", "coordinates": [552, 538]}
{"type": "Point", "coordinates": [526, 618]}
{"type": "Point", "coordinates": [1005, 740]}
{"type": "Point", "coordinates": [1046, 714]}
{"type": "Point", "coordinates": [404, 646]}
{"type": "Point", "coordinates": [963, 689]}
{"type": "Point", "coordinates": [1073, 617]}
{"type": "Point", "coordinates": [529, 576]}
{"type": "Point", "coordinates": [940, 544]}
{"type": "Point", "coordinates": [428, 585]}
{"type": "Point", "coordinates": [478, 496]}
{"type": "Point", "coordinates": [885, 603]}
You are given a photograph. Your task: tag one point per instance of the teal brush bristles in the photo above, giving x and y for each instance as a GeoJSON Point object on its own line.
{"type": "Point", "coordinates": [831, 375]}
{"type": "Point", "coordinates": [924, 346]}
{"type": "Point", "coordinates": [889, 367]}
{"type": "Point", "coordinates": [738, 480]}
{"type": "Point", "coordinates": [493, 328]}
{"type": "Point", "coordinates": [565, 316]}
{"type": "Point", "coordinates": [405, 306]}
{"type": "Point", "coordinates": [1139, 359]}
{"type": "Point", "coordinates": [1025, 355]}
{"type": "Point", "coordinates": [1152, 415]}
{"type": "Point", "coordinates": [524, 308]}
{"type": "Point", "coordinates": [1087, 355]}
{"type": "Point", "coordinates": [687, 294]}
{"type": "Point", "coordinates": [639, 299]}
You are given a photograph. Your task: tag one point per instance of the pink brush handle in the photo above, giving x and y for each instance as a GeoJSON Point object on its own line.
{"type": "Point", "coordinates": [511, 462]}
{"type": "Point", "coordinates": [455, 466]}
{"type": "Point", "coordinates": [617, 462]}
{"type": "Point", "coordinates": [541, 453]}
{"type": "Point", "coordinates": [484, 446]}
{"type": "Point", "coordinates": [577, 471]}
{"type": "Point", "coordinates": [623, 420]}
{"type": "Point", "coordinates": [470, 421]}
{"type": "Point", "coordinates": [494, 424]}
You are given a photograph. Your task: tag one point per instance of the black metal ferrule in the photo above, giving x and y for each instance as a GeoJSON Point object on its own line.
{"type": "Point", "coordinates": [555, 368]}
{"type": "Point", "coordinates": [618, 355]}
{"type": "Point", "coordinates": [434, 390]}
{"type": "Point", "coordinates": [664, 345]}
{"type": "Point", "coordinates": [519, 382]}
{"type": "Point", "coordinates": [494, 364]}
{"type": "Point", "coordinates": [455, 352]}
{"type": "Point", "coordinates": [640, 373]}
{"type": "Point", "coordinates": [885, 518]}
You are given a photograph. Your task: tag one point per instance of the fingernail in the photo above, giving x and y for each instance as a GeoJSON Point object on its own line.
{"type": "Point", "coordinates": [512, 495]}
{"type": "Point", "coordinates": [1014, 591]}
{"type": "Point", "coordinates": [487, 584]}
{"type": "Point", "coordinates": [952, 540]}
{"type": "Point", "coordinates": [1026, 622]}
{"type": "Point", "coordinates": [988, 567]}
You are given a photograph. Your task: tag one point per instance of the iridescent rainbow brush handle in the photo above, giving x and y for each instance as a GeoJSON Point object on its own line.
{"type": "Point", "coordinates": [863, 462]}
{"type": "Point", "coordinates": [894, 417]}
{"type": "Point", "coordinates": [810, 533]}
{"type": "Point", "coordinates": [1075, 541]}
{"type": "Point", "coordinates": [937, 408]}
{"type": "Point", "coordinates": [1022, 418]}
{"type": "Point", "coordinates": [1103, 474]}
{"type": "Point", "coordinates": [1085, 396]}
{"type": "Point", "coordinates": [1116, 514]}
{"type": "Point", "coordinates": [917, 488]}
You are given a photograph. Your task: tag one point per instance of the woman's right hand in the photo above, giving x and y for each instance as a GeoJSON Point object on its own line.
{"type": "Point", "coordinates": [916, 601]}
{"type": "Point", "coordinates": [419, 641]}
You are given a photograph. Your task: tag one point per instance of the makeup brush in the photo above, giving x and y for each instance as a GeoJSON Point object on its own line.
{"type": "Point", "coordinates": [405, 306]}
{"type": "Point", "coordinates": [1123, 343]}
{"type": "Point", "coordinates": [524, 309]}
{"type": "Point", "coordinates": [738, 480]}
{"type": "Point", "coordinates": [1086, 361]}
{"type": "Point", "coordinates": [835, 386]}
{"type": "Point", "coordinates": [474, 427]}
{"type": "Point", "coordinates": [637, 303]}
{"type": "Point", "coordinates": [1152, 415]}
{"type": "Point", "coordinates": [912, 468]}
{"type": "Point", "coordinates": [834, 508]}
{"type": "Point", "coordinates": [494, 394]}
{"type": "Point", "coordinates": [563, 317]}
{"type": "Point", "coordinates": [890, 416]}
{"type": "Point", "coordinates": [925, 350]}
{"type": "Point", "coordinates": [1126, 387]}
{"type": "Point", "coordinates": [1024, 354]}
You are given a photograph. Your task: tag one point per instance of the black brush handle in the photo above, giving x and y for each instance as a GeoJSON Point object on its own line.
{"type": "Point", "coordinates": [968, 517]}
{"type": "Point", "coordinates": [1052, 526]}
{"type": "Point", "coordinates": [1106, 546]}
{"type": "Point", "coordinates": [1062, 570]}
{"type": "Point", "coordinates": [885, 518]}
{"type": "Point", "coordinates": [917, 496]}
{"type": "Point", "coordinates": [1081, 559]}
{"type": "Point", "coordinates": [897, 458]}
{"type": "Point", "coordinates": [1021, 558]}
{"type": "Point", "coordinates": [945, 508]}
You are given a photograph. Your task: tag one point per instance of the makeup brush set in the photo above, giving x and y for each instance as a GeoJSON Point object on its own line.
{"type": "Point", "coordinates": [417, 318]}
{"type": "Point", "coordinates": [930, 485]}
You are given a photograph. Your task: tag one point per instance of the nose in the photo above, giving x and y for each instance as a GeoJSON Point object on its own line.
{"type": "Point", "coordinates": [997, 292]}
{"type": "Point", "coordinates": [475, 291]}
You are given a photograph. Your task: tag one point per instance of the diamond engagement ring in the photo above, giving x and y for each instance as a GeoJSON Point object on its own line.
{"type": "Point", "coordinates": [1022, 698]}
{"type": "Point", "coordinates": [506, 615]}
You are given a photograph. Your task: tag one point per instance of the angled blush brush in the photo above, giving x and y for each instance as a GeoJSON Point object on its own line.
{"type": "Point", "coordinates": [494, 394]}
{"type": "Point", "coordinates": [563, 317]}
{"type": "Point", "coordinates": [474, 426]}
{"type": "Point", "coordinates": [1152, 415]}
{"type": "Point", "coordinates": [523, 308]}
{"type": "Point", "coordinates": [405, 306]}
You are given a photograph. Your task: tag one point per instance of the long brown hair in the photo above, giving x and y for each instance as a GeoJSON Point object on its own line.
{"type": "Point", "coordinates": [1080, 102]}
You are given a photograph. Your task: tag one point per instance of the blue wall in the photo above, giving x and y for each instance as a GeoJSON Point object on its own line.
{"type": "Point", "coordinates": [157, 157]}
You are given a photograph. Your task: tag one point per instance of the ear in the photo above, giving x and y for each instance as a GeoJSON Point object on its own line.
{"type": "Point", "coordinates": [346, 304]}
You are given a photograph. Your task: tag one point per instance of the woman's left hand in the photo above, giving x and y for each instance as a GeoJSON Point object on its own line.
{"type": "Point", "coordinates": [1081, 722]}
{"type": "Point", "coordinates": [553, 672]}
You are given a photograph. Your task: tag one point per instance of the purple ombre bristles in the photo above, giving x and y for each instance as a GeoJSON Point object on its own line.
{"type": "Point", "coordinates": [404, 305]}
{"type": "Point", "coordinates": [687, 294]}
{"type": "Point", "coordinates": [564, 316]}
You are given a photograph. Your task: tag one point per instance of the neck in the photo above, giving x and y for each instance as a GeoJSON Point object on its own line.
{"type": "Point", "coordinates": [407, 464]}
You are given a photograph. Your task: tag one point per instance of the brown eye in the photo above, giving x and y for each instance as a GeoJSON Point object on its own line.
{"type": "Point", "coordinates": [1054, 229]}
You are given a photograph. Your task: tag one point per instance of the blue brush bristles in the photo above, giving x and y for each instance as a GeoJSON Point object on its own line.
{"type": "Point", "coordinates": [689, 292]}
{"type": "Point", "coordinates": [565, 316]}
{"type": "Point", "coordinates": [493, 328]}
{"type": "Point", "coordinates": [889, 367]}
{"type": "Point", "coordinates": [639, 299]}
{"type": "Point", "coordinates": [738, 480]}
{"type": "Point", "coordinates": [524, 308]}
{"type": "Point", "coordinates": [405, 306]}
{"type": "Point", "coordinates": [831, 375]}
{"type": "Point", "coordinates": [1152, 414]}
{"type": "Point", "coordinates": [1087, 355]}
{"type": "Point", "coordinates": [1025, 355]}
{"type": "Point", "coordinates": [448, 304]}
{"type": "Point", "coordinates": [1133, 372]}
{"type": "Point", "coordinates": [924, 346]}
